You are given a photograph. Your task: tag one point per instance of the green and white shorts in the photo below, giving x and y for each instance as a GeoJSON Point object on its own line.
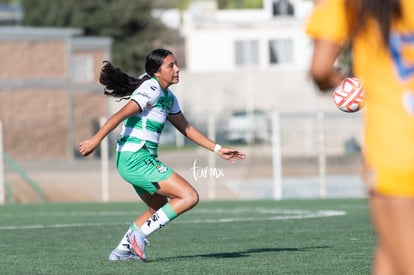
{"type": "Point", "coordinates": [142, 169]}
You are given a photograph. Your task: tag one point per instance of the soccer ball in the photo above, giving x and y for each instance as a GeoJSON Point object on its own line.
{"type": "Point", "coordinates": [349, 95]}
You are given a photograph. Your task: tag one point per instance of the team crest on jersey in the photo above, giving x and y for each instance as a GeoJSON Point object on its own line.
{"type": "Point", "coordinates": [162, 168]}
{"type": "Point", "coordinates": [166, 103]}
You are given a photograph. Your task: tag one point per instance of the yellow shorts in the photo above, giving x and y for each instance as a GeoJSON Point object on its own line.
{"type": "Point", "coordinates": [390, 182]}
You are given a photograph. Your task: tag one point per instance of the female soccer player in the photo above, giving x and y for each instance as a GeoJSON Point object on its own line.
{"type": "Point", "coordinates": [150, 104]}
{"type": "Point", "coordinates": [382, 37]}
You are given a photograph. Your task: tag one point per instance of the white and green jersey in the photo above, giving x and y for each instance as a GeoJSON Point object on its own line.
{"type": "Point", "coordinates": [146, 127]}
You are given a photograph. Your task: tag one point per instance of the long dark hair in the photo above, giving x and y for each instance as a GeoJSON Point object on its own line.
{"type": "Point", "coordinates": [383, 11]}
{"type": "Point", "coordinates": [119, 84]}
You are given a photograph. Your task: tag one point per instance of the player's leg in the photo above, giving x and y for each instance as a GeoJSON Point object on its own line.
{"type": "Point", "coordinates": [155, 183]}
{"type": "Point", "coordinates": [127, 243]}
{"type": "Point", "coordinates": [182, 194]}
{"type": "Point", "coordinates": [393, 218]}
{"type": "Point", "coordinates": [383, 260]}
{"type": "Point", "coordinates": [182, 197]}
{"type": "Point", "coordinates": [154, 203]}
{"type": "Point", "coordinates": [382, 264]}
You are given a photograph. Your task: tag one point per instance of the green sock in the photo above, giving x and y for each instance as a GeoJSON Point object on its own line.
{"type": "Point", "coordinates": [133, 227]}
{"type": "Point", "coordinates": [169, 212]}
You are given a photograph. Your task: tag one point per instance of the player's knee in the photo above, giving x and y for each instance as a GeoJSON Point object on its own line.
{"type": "Point", "coordinates": [191, 198]}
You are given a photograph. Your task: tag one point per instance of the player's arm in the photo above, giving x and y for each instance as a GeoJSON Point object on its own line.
{"type": "Point", "coordinates": [322, 69]}
{"type": "Point", "coordinates": [181, 124]}
{"type": "Point", "coordinates": [87, 146]}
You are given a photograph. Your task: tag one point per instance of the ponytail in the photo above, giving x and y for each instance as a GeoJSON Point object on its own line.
{"type": "Point", "coordinates": [117, 83]}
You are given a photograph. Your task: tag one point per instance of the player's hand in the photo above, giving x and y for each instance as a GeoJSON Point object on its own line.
{"type": "Point", "coordinates": [87, 146]}
{"type": "Point", "coordinates": [231, 154]}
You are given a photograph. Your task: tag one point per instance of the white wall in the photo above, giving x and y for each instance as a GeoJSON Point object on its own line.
{"type": "Point", "coordinates": [201, 94]}
{"type": "Point", "coordinates": [212, 82]}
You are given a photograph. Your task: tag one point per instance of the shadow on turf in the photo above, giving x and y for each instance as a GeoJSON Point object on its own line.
{"type": "Point", "coordinates": [245, 253]}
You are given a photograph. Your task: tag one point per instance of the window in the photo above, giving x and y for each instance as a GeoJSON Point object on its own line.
{"type": "Point", "coordinates": [281, 51]}
{"type": "Point", "coordinates": [82, 68]}
{"type": "Point", "coordinates": [247, 53]}
{"type": "Point", "coordinates": [248, 126]}
{"type": "Point", "coordinates": [283, 7]}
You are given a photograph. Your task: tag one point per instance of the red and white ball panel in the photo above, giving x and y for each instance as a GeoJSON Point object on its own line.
{"type": "Point", "coordinates": [349, 95]}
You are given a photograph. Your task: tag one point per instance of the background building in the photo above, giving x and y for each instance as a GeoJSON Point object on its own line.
{"type": "Point", "coordinates": [48, 87]}
{"type": "Point", "coordinates": [247, 59]}
{"type": "Point", "coordinates": [243, 72]}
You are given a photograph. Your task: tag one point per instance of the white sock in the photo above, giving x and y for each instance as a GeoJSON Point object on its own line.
{"type": "Point", "coordinates": [124, 244]}
{"type": "Point", "coordinates": [155, 222]}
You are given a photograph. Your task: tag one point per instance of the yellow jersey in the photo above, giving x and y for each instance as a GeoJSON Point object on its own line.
{"type": "Point", "coordinates": [387, 74]}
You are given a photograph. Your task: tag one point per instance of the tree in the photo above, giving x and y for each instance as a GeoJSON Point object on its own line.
{"type": "Point", "coordinates": [239, 4]}
{"type": "Point", "coordinates": [129, 23]}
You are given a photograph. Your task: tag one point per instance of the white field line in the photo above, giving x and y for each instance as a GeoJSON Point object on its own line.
{"type": "Point", "coordinates": [270, 215]}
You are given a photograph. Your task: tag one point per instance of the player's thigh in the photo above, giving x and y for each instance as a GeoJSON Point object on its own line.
{"type": "Point", "coordinates": [153, 201]}
{"type": "Point", "coordinates": [394, 223]}
{"type": "Point", "coordinates": [143, 170]}
{"type": "Point", "coordinates": [176, 187]}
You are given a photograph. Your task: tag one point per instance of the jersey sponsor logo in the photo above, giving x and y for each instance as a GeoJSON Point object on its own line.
{"type": "Point", "coordinates": [153, 88]}
{"type": "Point", "coordinates": [402, 52]}
{"type": "Point", "coordinates": [143, 94]}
